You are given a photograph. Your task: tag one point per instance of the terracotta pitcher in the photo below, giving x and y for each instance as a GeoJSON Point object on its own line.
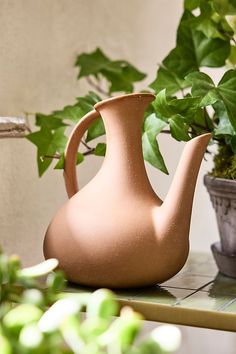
{"type": "Point", "coordinates": [116, 232]}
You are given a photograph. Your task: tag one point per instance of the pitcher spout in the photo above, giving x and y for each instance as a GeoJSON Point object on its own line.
{"type": "Point", "coordinates": [177, 206]}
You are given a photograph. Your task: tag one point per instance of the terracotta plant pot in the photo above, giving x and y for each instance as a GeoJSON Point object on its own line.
{"type": "Point", "coordinates": [116, 232]}
{"type": "Point", "coordinates": [223, 197]}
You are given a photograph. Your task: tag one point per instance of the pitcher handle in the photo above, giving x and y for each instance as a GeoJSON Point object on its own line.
{"type": "Point", "coordinates": [70, 175]}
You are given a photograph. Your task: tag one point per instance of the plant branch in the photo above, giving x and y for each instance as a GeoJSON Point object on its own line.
{"type": "Point", "coordinates": [86, 145]}
{"type": "Point", "coordinates": [233, 40]}
{"type": "Point", "coordinates": [166, 131]}
{"type": "Point", "coordinates": [55, 156]}
{"type": "Point", "coordinates": [97, 87]}
{"type": "Point", "coordinates": [206, 116]}
{"type": "Point", "coordinates": [197, 125]}
{"type": "Point", "coordinates": [90, 151]}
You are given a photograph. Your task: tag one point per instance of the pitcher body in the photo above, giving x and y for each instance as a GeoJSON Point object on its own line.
{"type": "Point", "coordinates": [116, 232]}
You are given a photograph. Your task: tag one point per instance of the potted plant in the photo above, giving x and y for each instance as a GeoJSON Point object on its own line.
{"type": "Point", "coordinates": [39, 316]}
{"type": "Point", "coordinates": [188, 103]}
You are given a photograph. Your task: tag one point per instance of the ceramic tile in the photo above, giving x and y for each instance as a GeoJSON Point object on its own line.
{"type": "Point", "coordinates": [187, 281]}
{"type": "Point", "coordinates": [203, 300]}
{"type": "Point", "coordinates": [198, 258]}
{"type": "Point", "coordinates": [197, 296]}
{"type": "Point", "coordinates": [231, 307]}
{"type": "Point", "coordinates": [206, 267]}
{"type": "Point", "coordinates": [222, 285]}
{"type": "Point", "coordinates": [161, 295]}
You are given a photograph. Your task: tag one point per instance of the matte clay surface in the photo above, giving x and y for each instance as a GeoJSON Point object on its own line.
{"type": "Point", "coordinates": [197, 296]}
{"type": "Point", "coordinates": [116, 232]}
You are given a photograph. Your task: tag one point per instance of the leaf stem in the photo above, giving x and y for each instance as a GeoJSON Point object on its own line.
{"type": "Point", "coordinates": [55, 156]}
{"type": "Point", "coordinates": [89, 151]}
{"type": "Point", "coordinates": [233, 40]}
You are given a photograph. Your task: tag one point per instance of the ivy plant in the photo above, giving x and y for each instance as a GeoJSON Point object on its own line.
{"type": "Point", "coordinates": [188, 102]}
{"type": "Point", "coordinates": [39, 315]}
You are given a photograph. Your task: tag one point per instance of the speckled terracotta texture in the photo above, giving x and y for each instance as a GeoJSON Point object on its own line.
{"type": "Point", "coordinates": [116, 232]}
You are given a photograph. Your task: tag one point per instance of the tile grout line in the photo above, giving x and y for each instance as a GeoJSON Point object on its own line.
{"type": "Point", "coordinates": [224, 306]}
{"type": "Point", "coordinates": [185, 287]}
{"type": "Point", "coordinates": [194, 292]}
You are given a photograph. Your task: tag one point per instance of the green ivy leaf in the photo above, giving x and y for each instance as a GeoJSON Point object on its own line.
{"type": "Point", "coordinates": [201, 83]}
{"type": "Point", "coordinates": [185, 106]}
{"type": "Point", "coordinates": [122, 80]}
{"type": "Point", "coordinates": [42, 140]}
{"type": "Point", "coordinates": [92, 98]}
{"type": "Point", "coordinates": [153, 125]}
{"type": "Point", "coordinates": [51, 140]}
{"type": "Point", "coordinates": [169, 80]}
{"type": "Point", "coordinates": [193, 50]}
{"type": "Point", "coordinates": [48, 121]}
{"type": "Point", "coordinates": [179, 128]}
{"type": "Point", "coordinates": [95, 130]}
{"type": "Point", "coordinates": [204, 87]}
{"type": "Point", "coordinates": [151, 152]}
{"type": "Point", "coordinates": [224, 126]}
{"type": "Point", "coordinates": [61, 162]}
{"type": "Point", "coordinates": [191, 4]}
{"type": "Point", "coordinates": [48, 143]}
{"type": "Point", "coordinates": [172, 108]}
{"type": "Point", "coordinates": [92, 63]}
{"type": "Point", "coordinates": [210, 52]}
{"type": "Point", "coordinates": [119, 73]}
{"type": "Point", "coordinates": [80, 158]}
{"type": "Point", "coordinates": [227, 91]}
{"type": "Point", "coordinates": [161, 105]}
{"type": "Point", "coordinates": [232, 56]}
{"type": "Point", "coordinates": [233, 144]}
{"type": "Point", "coordinates": [210, 98]}
{"type": "Point", "coordinates": [100, 149]}
{"type": "Point", "coordinates": [59, 140]}
{"type": "Point", "coordinates": [205, 23]}
{"type": "Point", "coordinates": [225, 7]}
{"type": "Point", "coordinates": [75, 112]}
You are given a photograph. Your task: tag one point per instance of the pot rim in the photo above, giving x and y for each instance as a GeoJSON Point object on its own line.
{"type": "Point", "coordinates": [216, 183]}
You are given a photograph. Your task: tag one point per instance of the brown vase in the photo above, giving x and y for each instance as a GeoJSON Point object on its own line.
{"type": "Point", "coordinates": [116, 232]}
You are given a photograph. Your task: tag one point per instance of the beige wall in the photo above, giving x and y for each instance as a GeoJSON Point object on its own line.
{"type": "Point", "coordinates": [38, 45]}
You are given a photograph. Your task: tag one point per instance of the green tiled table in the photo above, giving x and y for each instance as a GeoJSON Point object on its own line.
{"type": "Point", "coordinates": [197, 296]}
